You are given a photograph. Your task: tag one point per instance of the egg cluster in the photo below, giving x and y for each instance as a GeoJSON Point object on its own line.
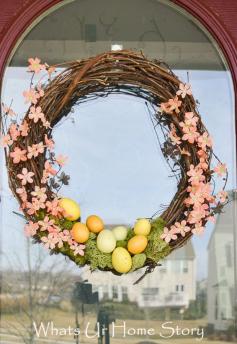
{"type": "Point", "coordinates": [107, 240]}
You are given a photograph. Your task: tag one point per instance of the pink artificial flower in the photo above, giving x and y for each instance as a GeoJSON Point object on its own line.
{"type": "Point", "coordinates": [49, 142]}
{"type": "Point", "coordinates": [6, 141]}
{"type": "Point", "coordinates": [222, 195]}
{"type": "Point", "coordinates": [191, 135]}
{"type": "Point", "coordinates": [181, 228]}
{"type": "Point", "coordinates": [18, 155]}
{"type": "Point", "coordinates": [184, 89]}
{"type": "Point", "coordinates": [31, 96]}
{"type": "Point", "coordinates": [8, 111]}
{"type": "Point", "coordinates": [195, 198]}
{"type": "Point", "coordinates": [205, 141]}
{"type": "Point", "coordinates": [174, 138]}
{"type": "Point", "coordinates": [198, 229]}
{"type": "Point", "coordinates": [49, 169]}
{"type": "Point", "coordinates": [35, 150]}
{"type": "Point", "coordinates": [26, 176]}
{"type": "Point", "coordinates": [14, 132]}
{"type": "Point", "coordinates": [39, 193]}
{"type": "Point", "coordinates": [196, 175]}
{"type": "Point", "coordinates": [168, 235]}
{"type": "Point", "coordinates": [61, 159]}
{"type": "Point", "coordinates": [50, 241]}
{"type": "Point", "coordinates": [46, 124]}
{"type": "Point", "coordinates": [65, 235]}
{"type": "Point", "coordinates": [36, 113]}
{"type": "Point", "coordinates": [53, 207]}
{"type": "Point", "coordinates": [24, 128]}
{"type": "Point", "coordinates": [31, 229]}
{"type": "Point", "coordinates": [78, 249]}
{"type": "Point", "coordinates": [172, 105]}
{"type": "Point", "coordinates": [35, 65]}
{"type": "Point", "coordinates": [198, 213]}
{"type": "Point", "coordinates": [22, 193]}
{"type": "Point", "coordinates": [203, 164]}
{"type": "Point", "coordinates": [189, 121]}
{"type": "Point", "coordinates": [220, 169]}
{"type": "Point", "coordinates": [46, 224]}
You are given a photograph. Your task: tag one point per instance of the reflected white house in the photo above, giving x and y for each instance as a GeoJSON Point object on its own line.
{"type": "Point", "coordinates": [222, 266]}
{"type": "Point", "coordinates": [171, 285]}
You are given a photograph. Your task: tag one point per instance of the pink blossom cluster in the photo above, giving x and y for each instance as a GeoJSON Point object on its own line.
{"type": "Point", "coordinates": [35, 198]}
{"type": "Point", "coordinates": [200, 195]}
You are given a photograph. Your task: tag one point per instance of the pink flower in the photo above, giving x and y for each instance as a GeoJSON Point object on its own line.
{"type": "Point", "coordinates": [169, 235]}
{"type": "Point", "coordinates": [61, 159]}
{"type": "Point", "coordinates": [78, 249]}
{"type": "Point", "coordinates": [8, 111]}
{"type": "Point", "coordinates": [222, 195]}
{"type": "Point", "coordinates": [14, 132]}
{"type": "Point", "coordinates": [46, 224]}
{"type": "Point", "coordinates": [205, 141]}
{"type": "Point", "coordinates": [196, 175]}
{"type": "Point", "coordinates": [22, 193]}
{"type": "Point", "coordinates": [65, 235]}
{"type": "Point", "coordinates": [36, 113]}
{"type": "Point", "coordinates": [50, 241]}
{"type": "Point", "coordinates": [31, 96]}
{"type": "Point", "coordinates": [174, 137]}
{"type": "Point", "coordinates": [184, 89]}
{"type": "Point", "coordinates": [190, 121]}
{"type": "Point", "coordinates": [35, 150]}
{"type": "Point", "coordinates": [49, 143]}
{"type": "Point", "coordinates": [191, 135]}
{"type": "Point", "coordinates": [39, 193]}
{"type": "Point", "coordinates": [24, 128]}
{"type": "Point", "coordinates": [198, 213]}
{"type": "Point", "coordinates": [26, 177]}
{"type": "Point", "coordinates": [172, 105]}
{"type": "Point", "coordinates": [53, 207]}
{"type": "Point", "coordinates": [198, 229]}
{"type": "Point", "coordinates": [220, 169]}
{"type": "Point", "coordinates": [31, 229]}
{"type": "Point", "coordinates": [18, 155]}
{"type": "Point", "coordinates": [46, 124]}
{"type": "Point", "coordinates": [181, 228]}
{"type": "Point", "coordinates": [35, 65]}
{"type": "Point", "coordinates": [6, 141]}
{"type": "Point", "coordinates": [49, 169]}
{"type": "Point", "coordinates": [195, 198]}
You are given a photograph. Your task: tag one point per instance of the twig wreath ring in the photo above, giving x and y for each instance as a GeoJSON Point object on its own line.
{"type": "Point", "coordinates": [35, 175]}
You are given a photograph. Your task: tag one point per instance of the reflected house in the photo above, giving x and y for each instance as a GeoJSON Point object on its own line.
{"type": "Point", "coordinates": [221, 267]}
{"type": "Point", "coordinates": [171, 285]}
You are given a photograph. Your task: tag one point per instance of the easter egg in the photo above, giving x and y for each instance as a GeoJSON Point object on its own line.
{"type": "Point", "coordinates": [137, 244]}
{"type": "Point", "coordinates": [121, 260]}
{"type": "Point", "coordinates": [120, 232]}
{"type": "Point", "coordinates": [106, 241]}
{"type": "Point", "coordinates": [142, 227]}
{"type": "Point", "coordinates": [80, 233]}
{"type": "Point", "coordinates": [95, 223]}
{"type": "Point", "coordinates": [71, 209]}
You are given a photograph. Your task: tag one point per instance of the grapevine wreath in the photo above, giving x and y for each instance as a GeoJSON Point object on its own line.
{"type": "Point", "coordinates": [35, 172]}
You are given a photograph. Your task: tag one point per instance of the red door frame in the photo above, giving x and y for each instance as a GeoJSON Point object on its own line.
{"type": "Point", "coordinates": [205, 11]}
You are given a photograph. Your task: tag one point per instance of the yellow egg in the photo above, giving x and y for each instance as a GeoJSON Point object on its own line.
{"type": "Point", "coordinates": [120, 232]}
{"type": "Point", "coordinates": [137, 244]}
{"type": "Point", "coordinates": [142, 227]}
{"type": "Point", "coordinates": [71, 209]}
{"type": "Point", "coordinates": [80, 232]}
{"type": "Point", "coordinates": [95, 223]}
{"type": "Point", "coordinates": [121, 260]}
{"type": "Point", "coordinates": [106, 241]}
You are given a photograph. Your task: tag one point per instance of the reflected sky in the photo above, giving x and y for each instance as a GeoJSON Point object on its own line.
{"type": "Point", "coordinates": [117, 169]}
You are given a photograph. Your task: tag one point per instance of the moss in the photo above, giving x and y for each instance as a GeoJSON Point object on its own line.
{"type": "Point", "coordinates": [157, 248]}
{"type": "Point", "coordinates": [138, 261]}
{"type": "Point", "coordinates": [96, 259]}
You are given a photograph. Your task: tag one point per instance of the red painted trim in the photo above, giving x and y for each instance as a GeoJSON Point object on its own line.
{"type": "Point", "coordinates": [19, 24]}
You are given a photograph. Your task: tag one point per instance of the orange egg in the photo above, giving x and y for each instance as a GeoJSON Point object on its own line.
{"type": "Point", "coordinates": [80, 232]}
{"type": "Point", "coordinates": [137, 244]}
{"type": "Point", "coordinates": [95, 223]}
